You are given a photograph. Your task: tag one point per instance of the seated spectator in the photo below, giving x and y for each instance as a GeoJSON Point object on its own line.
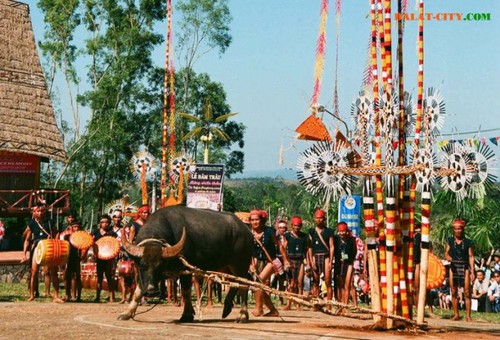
{"type": "Point", "coordinates": [494, 260]}
{"type": "Point", "coordinates": [479, 290]}
{"type": "Point", "coordinates": [307, 281]}
{"type": "Point", "coordinates": [494, 293]}
{"type": "Point", "coordinates": [444, 295]}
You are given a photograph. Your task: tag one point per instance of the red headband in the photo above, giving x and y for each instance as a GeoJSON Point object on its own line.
{"type": "Point", "coordinates": [296, 220]}
{"type": "Point", "coordinates": [255, 212]}
{"type": "Point", "coordinates": [342, 226]}
{"type": "Point", "coordinates": [319, 213]}
{"type": "Point", "coordinates": [458, 222]}
{"type": "Point", "coordinates": [144, 208]}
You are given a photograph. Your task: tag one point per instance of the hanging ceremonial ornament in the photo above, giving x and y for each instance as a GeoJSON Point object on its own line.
{"type": "Point", "coordinates": [434, 111]}
{"type": "Point", "coordinates": [184, 162]}
{"type": "Point", "coordinates": [455, 159]}
{"type": "Point", "coordinates": [425, 175]}
{"type": "Point", "coordinates": [362, 113]}
{"type": "Point", "coordinates": [127, 209]}
{"type": "Point", "coordinates": [410, 109]}
{"type": "Point", "coordinates": [388, 117]}
{"type": "Point", "coordinates": [143, 164]}
{"type": "Point", "coordinates": [482, 163]}
{"type": "Point", "coordinates": [317, 169]}
{"type": "Point", "coordinates": [141, 159]}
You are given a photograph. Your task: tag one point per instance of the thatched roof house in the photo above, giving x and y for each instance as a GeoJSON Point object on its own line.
{"type": "Point", "coordinates": [27, 121]}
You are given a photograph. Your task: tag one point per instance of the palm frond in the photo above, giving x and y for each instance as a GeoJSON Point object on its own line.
{"type": "Point", "coordinates": [224, 117]}
{"type": "Point", "coordinates": [193, 133]}
{"type": "Point", "coordinates": [190, 117]}
{"type": "Point", "coordinates": [207, 111]}
{"type": "Point", "coordinates": [219, 133]}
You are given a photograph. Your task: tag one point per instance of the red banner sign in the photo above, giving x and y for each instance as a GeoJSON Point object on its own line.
{"type": "Point", "coordinates": [17, 163]}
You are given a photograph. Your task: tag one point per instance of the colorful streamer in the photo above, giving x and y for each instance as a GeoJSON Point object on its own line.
{"type": "Point", "coordinates": [320, 53]}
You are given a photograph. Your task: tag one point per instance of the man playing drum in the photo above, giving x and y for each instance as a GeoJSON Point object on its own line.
{"type": "Point", "coordinates": [39, 229]}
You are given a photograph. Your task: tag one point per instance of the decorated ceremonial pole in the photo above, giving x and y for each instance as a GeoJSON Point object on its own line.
{"type": "Point", "coordinates": [329, 167]}
{"type": "Point", "coordinates": [368, 201]}
{"type": "Point", "coordinates": [164, 158]}
{"type": "Point", "coordinates": [402, 238]}
{"type": "Point", "coordinates": [387, 123]}
{"type": "Point", "coordinates": [418, 124]}
{"type": "Point", "coordinates": [378, 162]}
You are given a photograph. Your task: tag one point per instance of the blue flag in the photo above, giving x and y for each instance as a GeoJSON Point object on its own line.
{"type": "Point", "coordinates": [350, 212]}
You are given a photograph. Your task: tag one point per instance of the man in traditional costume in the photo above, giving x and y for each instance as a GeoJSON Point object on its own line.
{"type": "Point", "coordinates": [296, 244]}
{"type": "Point", "coordinates": [37, 230]}
{"type": "Point", "coordinates": [460, 254]}
{"type": "Point", "coordinates": [320, 253]}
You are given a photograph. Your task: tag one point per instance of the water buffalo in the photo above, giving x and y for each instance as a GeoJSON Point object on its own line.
{"type": "Point", "coordinates": [207, 239]}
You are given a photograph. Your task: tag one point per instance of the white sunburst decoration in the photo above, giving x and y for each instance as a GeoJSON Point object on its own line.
{"type": "Point", "coordinates": [482, 162]}
{"type": "Point", "coordinates": [317, 172]}
{"type": "Point", "coordinates": [184, 162]}
{"type": "Point", "coordinates": [434, 111]}
{"type": "Point", "coordinates": [126, 208]}
{"type": "Point", "coordinates": [425, 177]}
{"type": "Point", "coordinates": [362, 112]}
{"type": "Point", "coordinates": [388, 113]}
{"type": "Point", "coordinates": [456, 158]}
{"type": "Point", "coordinates": [140, 158]}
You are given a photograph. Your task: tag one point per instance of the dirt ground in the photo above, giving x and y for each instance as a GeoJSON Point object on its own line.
{"type": "Point", "coordinates": [44, 320]}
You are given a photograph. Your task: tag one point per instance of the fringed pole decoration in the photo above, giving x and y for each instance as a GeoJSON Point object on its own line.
{"type": "Point", "coordinates": [320, 53]}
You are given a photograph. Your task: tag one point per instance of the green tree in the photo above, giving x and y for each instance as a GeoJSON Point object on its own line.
{"type": "Point", "coordinates": [117, 51]}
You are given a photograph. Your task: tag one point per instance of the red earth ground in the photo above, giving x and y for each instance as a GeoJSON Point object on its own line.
{"type": "Point", "coordinates": [45, 320]}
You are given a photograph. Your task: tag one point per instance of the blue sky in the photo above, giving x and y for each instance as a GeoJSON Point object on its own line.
{"type": "Point", "coordinates": [268, 69]}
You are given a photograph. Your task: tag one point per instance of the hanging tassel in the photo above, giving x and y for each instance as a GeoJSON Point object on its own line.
{"type": "Point", "coordinates": [281, 160]}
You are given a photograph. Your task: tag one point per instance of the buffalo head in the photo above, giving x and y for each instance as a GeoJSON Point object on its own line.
{"type": "Point", "coordinates": [167, 251]}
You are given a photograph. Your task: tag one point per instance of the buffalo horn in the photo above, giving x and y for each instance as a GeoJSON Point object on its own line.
{"type": "Point", "coordinates": [132, 249]}
{"type": "Point", "coordinates": [174, 250]}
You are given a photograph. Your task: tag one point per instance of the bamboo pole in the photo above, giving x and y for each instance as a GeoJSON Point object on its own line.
{"type": "Point", "coordinates": [312, 302]}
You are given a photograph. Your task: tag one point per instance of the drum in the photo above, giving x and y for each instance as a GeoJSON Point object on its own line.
{"type": "Point", "coordinates": [435, 272]}
{"type": "Point", "coordinates": [125, 268]}
{"type": "Point", "coordinates": [93, 281]}
{"type": "Point", "coordinates": [81, 240]}
{"type": "Point", "coordinates": [108, 247]}
{"type": "Point", "coordinates": [52, 252]}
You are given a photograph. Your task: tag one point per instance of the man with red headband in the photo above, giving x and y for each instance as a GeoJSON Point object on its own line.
{"type": "Point", "coordinates": [128, 274]}
{"type": "Point", "coordinates": [345, 254]}
{"type": "Point", "coordinates": [320, 253]}
{"type": "Point", "coordinates": [461, 255]}
{"type": "Point", "coordinates": [263, 260]}
{"type": "Point", "coordinates": [296, 244]}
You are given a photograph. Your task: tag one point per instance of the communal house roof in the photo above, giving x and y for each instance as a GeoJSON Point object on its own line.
{"type": "Point", "coordinates": [27, 120]}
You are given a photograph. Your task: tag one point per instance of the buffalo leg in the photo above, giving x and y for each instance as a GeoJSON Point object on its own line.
{"type": "Point", "coordinates": [132, 307]}
{"type": "Point", "coordinates": [243, 317]}
{"type": "Point", "coordinates": [186, 284]}
{"type": "Point", "coordinates": [228, 302]}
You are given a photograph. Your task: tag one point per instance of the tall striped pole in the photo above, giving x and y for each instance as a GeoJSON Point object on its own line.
{"type": "Point", "coordinates": [425, 206]}
{"type": "Point", "coordinates": [368, 201]}
{"type": "Point", "coordinates": [164, 158]}
{"type": "Point", "coordinates": [402, 237]}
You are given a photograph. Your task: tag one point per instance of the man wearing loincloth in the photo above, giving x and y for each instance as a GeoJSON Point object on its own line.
{"type": "Point", "coordinates": [320, 253]}
{"type": "Point", "coordinates": [296, 243]}
{"type": "Point", "coordinates": [460, 254]}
